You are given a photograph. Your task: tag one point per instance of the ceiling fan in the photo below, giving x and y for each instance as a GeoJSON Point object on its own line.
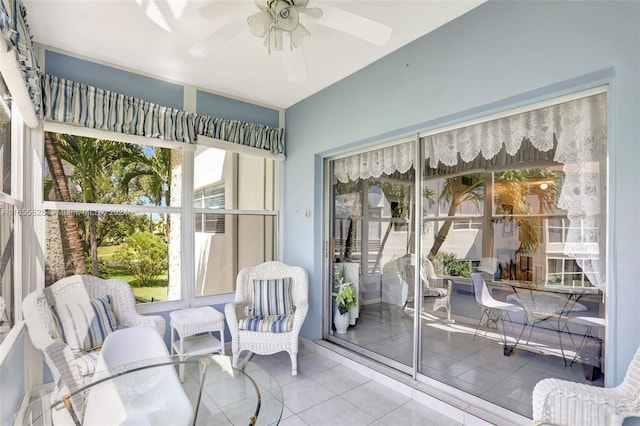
{"type": "Point", "coordinates": [279, 23]}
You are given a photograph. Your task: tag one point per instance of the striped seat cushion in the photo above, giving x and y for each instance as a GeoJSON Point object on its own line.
{"type": "Point", "coordinates": [268, 323]}
{"type": "Point", "coordinates": [434, 292]}
{"type": "Point", "coordinates": [272, 297]}
{"type": "Point", "coordinates": [84, 326]}
{"type": "Point", "coordinates": [86, 362]}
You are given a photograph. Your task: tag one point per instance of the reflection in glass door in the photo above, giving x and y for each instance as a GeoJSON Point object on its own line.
{"type": "Point", "coordinates": [371, 238]}
{"type": "Point", "coordinates": [479, 211]}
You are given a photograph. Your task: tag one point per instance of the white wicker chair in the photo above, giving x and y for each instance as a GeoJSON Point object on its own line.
{"type": "Point", "coordinates": [44, 331]}
{"type": "Point", "coordinates": [436, 291]}
{"type": "Point", "coordinates": [575, 404]}
{"type": "Point", "coordinates": [265, 343]}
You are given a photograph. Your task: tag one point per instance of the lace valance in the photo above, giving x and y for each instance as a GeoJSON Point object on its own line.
{"type": "Point", "coordinates": [579, 131]}
{"type": "Point", "coordinates": [397, 158]}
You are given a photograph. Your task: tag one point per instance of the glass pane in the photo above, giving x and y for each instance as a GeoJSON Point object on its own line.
{"type": "Point", "coordinates": [228, 180]}
{"type": "Point", "coordinates": [247, 240]}
{"type": "Point", "coordinates": [526, 233]}
{"type": "Point", "coordinates": [88, 170]}
{"type": "Point", "coordinates": [457, 244]}
{"type": "Point", "coordinates": [527, 191]}
{"type": "Point", "coordinates": [454, 196]}
{"type": "Point", "coordinates": [141, 249]}
{"type": "Point", "coordinates": [6, 263]}
{"type": "Point", "coordinates": [5, 138]}
{"type": "Point", "coordinates": [372, 234]}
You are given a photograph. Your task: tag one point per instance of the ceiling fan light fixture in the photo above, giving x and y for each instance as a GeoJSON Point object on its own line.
{"type": "Point", "coordinates": [274, 40]}
{"type": "Point", "coordinates": [278, 16]}
{"type": "Point", "coordinates": [285, 17]}
{"type": "Point", "coordinates": [260, 23]}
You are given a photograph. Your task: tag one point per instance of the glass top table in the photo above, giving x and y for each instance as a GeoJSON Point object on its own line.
{"type": "Point", "coordinates": [208, 390]}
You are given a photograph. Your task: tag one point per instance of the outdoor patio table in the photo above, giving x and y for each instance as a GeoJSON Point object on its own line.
{"type": "Point", "coordinates": [244, 394]}
{"type": "Point", "coordinates": [543, 302]}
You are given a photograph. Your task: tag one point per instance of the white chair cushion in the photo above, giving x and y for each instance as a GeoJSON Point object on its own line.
{"type": "Point", "coordinates": [85, 325]}
{"type": "Point", "coordinates": [272, 297]}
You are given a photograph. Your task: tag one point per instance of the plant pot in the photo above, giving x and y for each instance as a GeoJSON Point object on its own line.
{"type": "Point", "coordinates": [341, 322]}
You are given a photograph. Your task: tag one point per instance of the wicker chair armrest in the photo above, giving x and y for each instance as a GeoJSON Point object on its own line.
{"type": "Point", "coordinates": [563, 402]}
{"type": "Point", "coordinates": [299, 316]}
{"type": "Point", "coordinates": [439, 282]}
{"type": "Point", "coordinates": [137, 320]}
{"type": "Point", "coordinates": [233, 312]}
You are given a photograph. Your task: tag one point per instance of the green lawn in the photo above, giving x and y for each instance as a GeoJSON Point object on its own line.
{"type": "Point", "coordinates": [105, 252]}
{"type": "Point", "coordinates": [156, 292]}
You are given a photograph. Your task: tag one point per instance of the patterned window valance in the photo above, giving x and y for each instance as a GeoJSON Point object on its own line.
{"type": "Point", "coordinates": [83, 105]}
{"type": "Point", "coordinates": [578, 130]}
{"type": "Point", "coordinates": [18, 62]}
{"type": "Point", "coordinates": [242, 133]}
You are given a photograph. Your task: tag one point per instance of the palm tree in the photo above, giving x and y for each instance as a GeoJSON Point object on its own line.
{"type": "Point", "coordinates": [456, 192]}
{"type": "Point", "coordinates": [153, 172]}
{"type": "Point", "coordinates": [512, 190]}
{"type": "Point", "coordinates": [61, 189]}
{"type": "Point", "coordinates": [509, 185]}
{"type": "Point", "coordinates": [92, 161]}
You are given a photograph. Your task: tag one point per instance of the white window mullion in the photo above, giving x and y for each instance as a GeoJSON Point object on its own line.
{"type": "Point", "coordinates": [188, 230]}
{"type": "Point", "coordinates": [96, 207]}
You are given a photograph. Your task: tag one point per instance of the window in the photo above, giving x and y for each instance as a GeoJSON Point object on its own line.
{"type": "Point", "coordinates": [239, 188]}
{"type": "Point", "coordinates": [212, 196]}
{"type": "Point", "coordinates": [9, 211]}
{"type": "Point", "coordinates": [112, 210]}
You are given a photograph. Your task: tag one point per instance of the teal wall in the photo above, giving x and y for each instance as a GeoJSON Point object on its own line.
{"type": "Point", "coordinates": [498, 56]}
{"type": "Point", "coordinates": [150, 89]}
{"type": "Point", "coordinates": [223, 107]}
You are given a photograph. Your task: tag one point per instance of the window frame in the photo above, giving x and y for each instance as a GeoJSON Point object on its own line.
{"type": "Point", "coordinates": [186, 210]}
{"type": "Point", "coordinates": [15, 199]}
{"type": "Point", "coordinates": [277, 189]}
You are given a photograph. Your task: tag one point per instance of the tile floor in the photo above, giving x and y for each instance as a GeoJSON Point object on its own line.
{"type": "Point", "coordinates": [477, 366]}
{"type": "Point", "coordinates": [326, 392]}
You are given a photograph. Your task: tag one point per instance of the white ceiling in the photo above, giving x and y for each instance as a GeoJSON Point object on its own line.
{"type": "Point", "coordinates": [120, 33]}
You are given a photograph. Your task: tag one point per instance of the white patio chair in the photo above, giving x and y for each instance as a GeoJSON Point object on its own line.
{"type": "Point", "coordinates": [151, 396]}
{"type": "Point", "coordinates": [568, 403]}
{"type": "Point", "coordinates": [494, 312]}
{"type": "Point", "coordinates": [270, 322]}
{"type": "Point", "coordinates": [75, 368]}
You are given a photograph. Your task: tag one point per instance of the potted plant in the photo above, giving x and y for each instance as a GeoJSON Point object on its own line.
{"type": "Point", "coordinates": [345, 299]}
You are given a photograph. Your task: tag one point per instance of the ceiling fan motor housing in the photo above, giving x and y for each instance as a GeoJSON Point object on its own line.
{"type": "Point", "coordinates": [285, 15]}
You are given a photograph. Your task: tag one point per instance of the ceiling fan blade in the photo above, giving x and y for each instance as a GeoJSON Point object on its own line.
{"type": "Point", "coordinates": [295, 64]}
{"type": "Point", "coordinates": [219, 37]}
{"type": "Point", "coordinates": [355, 25]}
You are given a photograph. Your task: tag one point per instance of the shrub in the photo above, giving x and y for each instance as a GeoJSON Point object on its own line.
{"type": "Point", "coordinates": [145, 255]}
{"type": "Point", "coordinates": [452, 266]}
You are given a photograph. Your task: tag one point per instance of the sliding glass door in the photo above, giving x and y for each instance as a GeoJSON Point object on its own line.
{"type": "Point", "coordinates": [372, 199]}
{"type": "Point", "coordinates": [473, 256]}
